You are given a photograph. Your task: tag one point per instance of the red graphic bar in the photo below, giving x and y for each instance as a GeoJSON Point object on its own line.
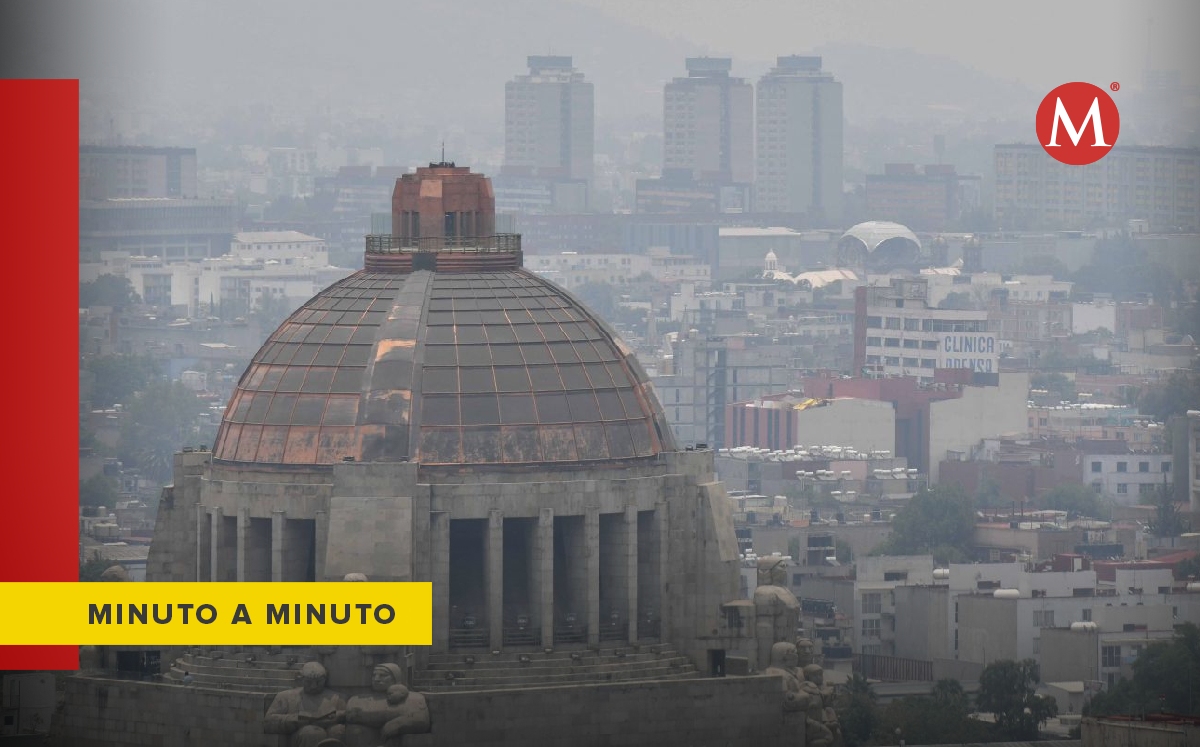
{"type": "Point", "coordinates": [39, 195]}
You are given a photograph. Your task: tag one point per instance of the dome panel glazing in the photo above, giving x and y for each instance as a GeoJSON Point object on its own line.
{"type": "Point", "coordinates": [500, 367]}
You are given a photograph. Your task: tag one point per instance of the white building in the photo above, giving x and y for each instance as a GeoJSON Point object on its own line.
{"type": "Point", "coordinates": [1130, 479]}
{"type": "Point", "coordinates": [906, 335]}
{"type": "Point", "coordinates": [799, 140]}
{"type": "Point", "coordinates": [708, 123]}
{"type": "Point", "coordinates": [548, 122]}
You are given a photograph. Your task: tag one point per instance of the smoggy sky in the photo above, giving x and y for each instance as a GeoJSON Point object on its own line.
{"type": "Point", "coordinates": [1036, 42]}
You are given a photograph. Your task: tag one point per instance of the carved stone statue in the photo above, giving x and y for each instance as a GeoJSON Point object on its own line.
{"type": "Point", "coordinates": [382, 717]}
{"type": "Point", "coordinates": [306, 713]}
{"type": "Point", "coordinates": [776, 609]}
{"type": "Point", "coordinates": [821, 728]}
{"type": "Point", "coordinates": [783, 664]}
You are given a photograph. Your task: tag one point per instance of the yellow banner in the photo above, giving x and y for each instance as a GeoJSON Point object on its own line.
{"type": "Point", "coordinates": [200, 614]}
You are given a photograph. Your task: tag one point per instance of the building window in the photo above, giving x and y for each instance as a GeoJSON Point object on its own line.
{"type": "Point", "coordinates": [891, 342]}
{"type": "Point", "coordinates": [1110, 656]}
{"type": "Point", "coordinates": [870, 628]}
{"type": "Point", "coordinates": [1122, 488]}
{"type": "Point", "coordinates": [895, 575]}
{"type": "Point", "coordinates": [893, 322]}
{"type": "Point", "coordinates": [1143, 466]}
{"type": "Point", "coordinates": [1087, 615]}
{"type": "Point", "coordinates": [873, 342]}
{"type": "Point", "coordinates": [1043, 618]}
{"type": "Point", "coordinates": [874, 322]}
{"type": "Point", "coordinates": [1166, 466]}
{"type": "Point", "coordinates": [1146, 488]}
{"type": "Point", "coordinates": [872, 604]}
{"type": "Point", "coordinates": [912, 325]}
{"type": "Point", "coordinates": [1095, 466]}
{"type": "Point", "coordinates": [1037, 646]}
{"type": "Point", "coordinates": [1122, 466]}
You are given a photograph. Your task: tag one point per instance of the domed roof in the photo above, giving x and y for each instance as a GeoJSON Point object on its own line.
{"type": "Point", "coordinates": [442, 367]}
{"type": "Point", "coordinates": [872, 233]}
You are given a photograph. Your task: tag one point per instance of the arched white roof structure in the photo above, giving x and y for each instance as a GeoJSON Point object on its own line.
{"type": "Point", "coordinates": [874, 232]}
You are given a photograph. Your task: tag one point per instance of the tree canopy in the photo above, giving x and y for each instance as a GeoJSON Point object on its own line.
{"type": "Point", "coordinates": [1076, 500]}
{"type": "Point", "coordinates": [1166, 677]}
{"type": "Point", "coordinates": [1007, 691]}
{"type": "Point", "coordinates": [161, 419]}
{"type": "Point", "coordinates": [939, 521]}
{"type": "Point", "coordinates": [115, 378]}
{"type": "Point", "coordinates": [107, 290]}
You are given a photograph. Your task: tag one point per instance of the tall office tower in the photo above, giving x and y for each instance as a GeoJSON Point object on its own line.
{"type": "Point", "coordinates": [799, 140]}
{"type": "Point", "coordinates": [708, 123]}
{"type": "Point", "coordinates": [548, 122]}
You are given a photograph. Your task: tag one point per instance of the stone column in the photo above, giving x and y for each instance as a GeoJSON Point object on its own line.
{"type": "Point", "coordinates": [493, 543]}
{"type": "Point", "coordinates": [217, 518]}
{"type": "Point", "coordinates": [243, 526]}
{"type": "Point", "coordinates": [545, 561]}
{"type": "Point", "coordinates": [662, 524]}
{"type": "Point", "coordinates": [278, 522]}
{"type": "Point", "coordinates": [201, 546]}
{"type": "Point", "coordinates": [591, 540]}
{"type": "Point", "coordinates": [321, 524]}
{"type": "Point", "coordinates": [439, 550]}
{"type": "Point", "coordinates": [631, 570]}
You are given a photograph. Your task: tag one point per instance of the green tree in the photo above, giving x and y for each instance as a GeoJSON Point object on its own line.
{"type": "Point", "coordinates": [107, 290]}
{"type": "Point", "coordinates": [1044, 264]}
{"type": "Point", "coordinates": [842, 551]}
{"type": "Point", "coordinates": [957, 300]}
{"type": "Point", "coordinates": [98, 491]}
{"type": "Point", "coordinates": [950, 697]}
{"type": "Point", "coordinates": [1007, 691]}
{"type": "Point", "coordinates": [1076, 500]}
{"type": "Point", "coordinates": [91, 569]}
{"type": "Point", "coordinates": [1167, 521]}
{"type": "Point", "coordinates": [857, 711]}
{"type": "Point", "coordinates": [1178, 394]}
{"type": "Point", "coordinates": [115, 378]}
{"type": "Point", "coordinates": [1166, 677]}
{"type": "Point", "coordinates": [938, 520]}
{"type": "Point", "coordinates": [160, 420]}
{"type": "Point", "coordinates": [1058, 386]}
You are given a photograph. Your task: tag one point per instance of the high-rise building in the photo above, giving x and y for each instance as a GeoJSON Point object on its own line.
{"type": "Point", "coordinates": [1154, 184]}
{"type": "Point", "coordinates": [708, 120]}
{"type": "Point", "coordinates": [799, 140]}
{"type": "Point", "coordinates": [117, 171]}
{"type": "Point", "coordinates": [548, 122]}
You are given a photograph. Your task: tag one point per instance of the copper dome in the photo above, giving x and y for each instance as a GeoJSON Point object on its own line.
{"type": "Point", "coordinates": [442, 367]}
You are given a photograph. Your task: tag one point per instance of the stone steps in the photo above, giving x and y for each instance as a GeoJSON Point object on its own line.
{"type": "Point", "coordinates": [532, 670]}
{"type": "Point", "coordinates": [451, 672]}
{"type": "Point", "coordinates": [588, 659]}
{"type": "Point", "coordinates": [579, 678]}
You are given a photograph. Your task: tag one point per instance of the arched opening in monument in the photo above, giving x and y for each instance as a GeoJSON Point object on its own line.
{"type": "Point", "coordinates": [570, 580]}
{"type": "Point", "coordinates": [520, 611]}
{"type": "Point", "coordinates": [649, 576]}
{"type": "Point", "coordinates": [615, 548]}
{"type": "Point", "coordinates": [258, 550]}
{"type": "Point", "coordinates": [298, 561]}
{"type": "Point", "coordinates": [227, 549]}
{"type": "Point", "coordinates": [468, 601]}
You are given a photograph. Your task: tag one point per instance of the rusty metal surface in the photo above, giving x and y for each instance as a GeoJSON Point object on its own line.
{"type": "Point", "coordinates": [442, 368]}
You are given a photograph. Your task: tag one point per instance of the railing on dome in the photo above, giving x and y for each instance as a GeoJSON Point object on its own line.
{"type": "Point", "coordinates": [501, 243]}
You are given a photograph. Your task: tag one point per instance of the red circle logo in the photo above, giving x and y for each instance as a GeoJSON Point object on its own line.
{"type": "Point", "coordinates": [1078, 123]}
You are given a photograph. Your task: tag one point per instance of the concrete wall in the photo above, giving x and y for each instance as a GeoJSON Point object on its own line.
{"type": "Point", "coordinates": [922, 623]}
{"type": "Point", "coordinates": [1069, 655]}
{"type": "Point", "coordinates": [1108, 733]}
{"type": "Point", "coordinates": [987, 629]}
{"type": "Point", "coordinates": [982, 412]}
{"type": "Point", "coordinates": [717, 712]}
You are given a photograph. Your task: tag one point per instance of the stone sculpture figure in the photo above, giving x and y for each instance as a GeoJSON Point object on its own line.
{"type": "Point", "coordinates": [306, 713]}
{"type": "Point", "coordinates": [783, 664]}
{"type": "Point", "coordinates": [776, 609]}
{"type": "Point", "coordinates": [382, 717]}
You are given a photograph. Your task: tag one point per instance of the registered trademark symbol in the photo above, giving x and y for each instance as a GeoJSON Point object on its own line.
{"type": "Point", "coordinates": [1115, 86]}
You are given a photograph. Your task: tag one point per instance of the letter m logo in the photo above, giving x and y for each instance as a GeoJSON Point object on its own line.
{"type": "Point", "coordinates": [1093, 116]}
{"type": "Point", "coordinates": [1063, 120]}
